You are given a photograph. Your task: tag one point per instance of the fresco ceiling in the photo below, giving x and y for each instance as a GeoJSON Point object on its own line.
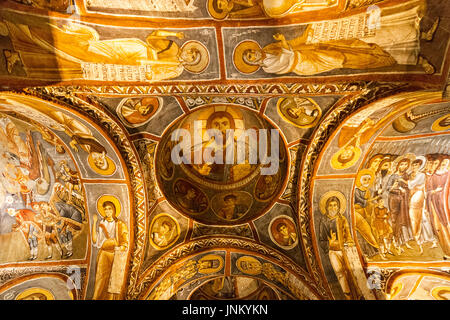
{"type": "Point", "coordinates": [92, 205]}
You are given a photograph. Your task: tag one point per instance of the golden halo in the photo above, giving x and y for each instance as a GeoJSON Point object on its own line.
{"type": "Point", "coordinates": [238, 59]}
{"type": "Point", "coordinates": [104, 172]}
{"type": "Point", "coordinates": [213, 11]}
{"type": "Point", "coordinates": [438, 292]}
{"type": "Point", "coordinates": [437, 125]}
{"type": "Point", "coordinates": [204, 56]}
{"type": "Point", "coordinates": [48, 295]}
{"type": "Point", "coordinates": [159, 219]}
{"type": "Point", "coordinates": [329, 194]}
{"type": "Point", "coordinates": [336, 164]}
{"type": "Point", "coordinates": [111, 198]}
{"type": "Point", "coordinates": [364, 172]}
{"type": "Point", "coordinates": [282, 108]}
{"type": "Point", "coordinates": [255, 270]}
{"type": "Point", "coordinates": [210, 257]}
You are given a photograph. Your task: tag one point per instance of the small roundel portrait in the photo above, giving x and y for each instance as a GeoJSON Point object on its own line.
{"type": "Point", "coordinates": [136, 112]}
{"type": "Point", "coordinates": [301, 112]}
{"type": "Point", "coordinates": [35, 294]}
{"type": "Point", "coordinates": [100, 163]}
{"type": "Point", "coordinates": [441, 124]}
{"type": "Point", "coordinates": [232, 206]}
{"type": "Point", "coordinates": [249, 265]}
{"type": "Point", "coordinates": [267, 186]}
{"type": "Point", "coordinates": [189, 198]}
{"type": "Point", "coordinates": [345, 157]}
{"type": "Point", "coordinates": [210, 263]}
{"type": "Point", "coordinates": [164, 231]}
{"type": "Point", "coordinates": [283, 233]}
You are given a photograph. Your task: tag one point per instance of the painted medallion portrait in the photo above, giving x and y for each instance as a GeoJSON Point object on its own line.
{"type": "Point", "coordinates": [221, 119]}
{"type": "Point", "coordinates": [301, 112]}
{"type": "Point", "coordinates": [210, 263]}
{"type": "Point", "coordinates": [164, 231]}
{"type": "Point", "coordinates": [189, 198]}
{"type": "Point", "coordinates": [282, 231]}
{"type": "Point", "coordinates": [135, 112]}
{"type": "Point", "coordinates": [41, 287]}
{"type": "Point", "coordinates": [267, 186]}
{"type": "Point", "coordinates": [249, 265]}
{"type": "Point", "coordinates": [35, 294]}
{"type": "Point", "coordinates": [221, 163]}
{"type": "Point", "coordinates": [232, 206]}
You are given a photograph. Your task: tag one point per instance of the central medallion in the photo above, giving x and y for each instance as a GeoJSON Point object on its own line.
{"type": "Point", "coordinates": [222, 165]}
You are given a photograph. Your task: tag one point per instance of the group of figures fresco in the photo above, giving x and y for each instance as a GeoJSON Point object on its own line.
{"type": "Point", "coordinates": [41, 195]}
{"type": "Point", "coordinates": [395, 207]}
{"type": "Point", "coordinates": [378, 39]}
{"type": "Point", "coordinates": [43, 211]}
{"type": "Point", "coordinates": [400, 205]}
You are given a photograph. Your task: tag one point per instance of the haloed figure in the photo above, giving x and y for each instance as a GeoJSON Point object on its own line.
{"type": "Point", "coordinates": [235, 9]}
{"type": "Point", "coordinates": [397, 41]}
{"type": "Point", "coordinates": [109, 235]}
{"type": "Point", "coordinates": [301, 112]}
{"type": "Point", "coordinates": [164, 235]}
{"type": "Point", "coordinates": [100, 160]}
{"type": "Point", "coordinates": [231, 210]}
{"type": "Point", "coordinates": [288, 238]}
{"type": "Point", "coordinates": [334, 234]}
{"type": "Point", "coordinates": [138, 112]}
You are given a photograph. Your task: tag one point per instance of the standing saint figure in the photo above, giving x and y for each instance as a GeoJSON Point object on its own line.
{"type": "Point", "coordinates": [334, 235]}
{"type": "Point", "coordinates": [110, 236]}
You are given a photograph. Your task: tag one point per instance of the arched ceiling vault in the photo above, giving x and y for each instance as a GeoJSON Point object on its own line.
{"type": "Point", "coordinates": [92, 90]}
